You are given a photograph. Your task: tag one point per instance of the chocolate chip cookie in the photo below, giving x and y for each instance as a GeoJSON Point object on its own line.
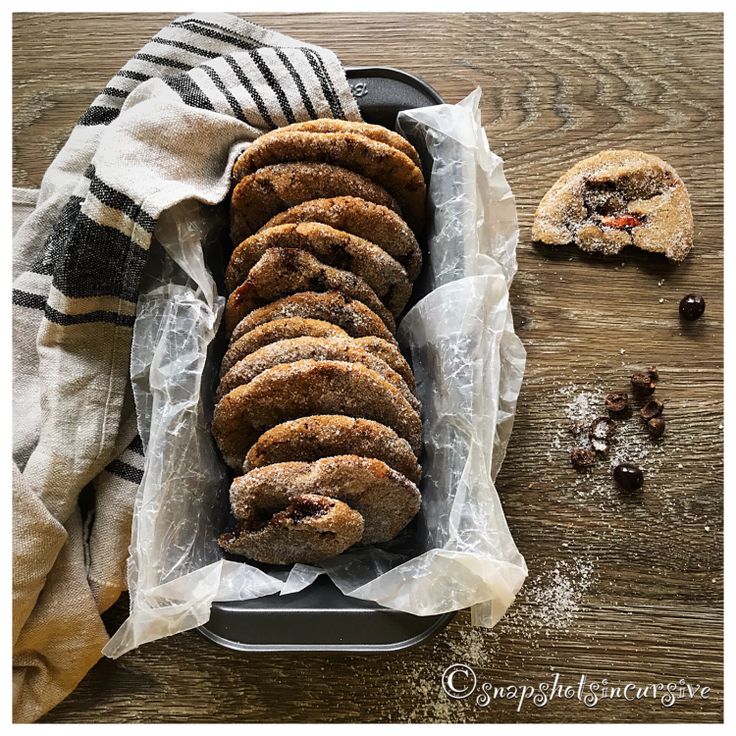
{"type": "Point", "coordinates": [311, 438]}
{"type": "Point", "coordinates": [307, 387]}
{"type": "Point", "coordinates": [282, 529]}
{"type": "Point", "coordinates": [283, 271]}
{"type": "Point", "coordinates": [272, 189]}
{"type": "Point", "coordinates": [332, 247]}
{"type": "Point", "coordinates": [374, 222]}
{"type": "Point", "coordinates": [388, 167]}
{"type": "Point", "coordinates": [615, 199]}
{"type": "Point", "coordinates": [385, 499]}
{"type": "Point", "coordinates": [329, 306]}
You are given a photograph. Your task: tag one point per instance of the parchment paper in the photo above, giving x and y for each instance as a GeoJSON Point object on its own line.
{"type": "Point", "coordinates": [468, 363]}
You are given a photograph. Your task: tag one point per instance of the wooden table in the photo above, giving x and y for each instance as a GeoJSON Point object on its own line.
{"type": "Point", "coordinates": [618, 589]}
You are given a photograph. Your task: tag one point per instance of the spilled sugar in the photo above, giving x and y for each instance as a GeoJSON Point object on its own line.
{"type": "Point", "coordinates": [554, 598]}
{"type": "Point", "coordinates": [548, 605]}
{"type": "Point", "coordinates": [631, 444]}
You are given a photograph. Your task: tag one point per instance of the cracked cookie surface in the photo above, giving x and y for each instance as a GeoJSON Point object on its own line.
{"type": "Point", "coordinates": [306, 387]}
{"type": "Point", "coordinates": [329, 306]}
{"type": "Point", "coordinates": [388, 167]}
{"type": "Point", "coordinates": [283, 271]}
{"type": "Point", "coordinates": [345, 349]}
{"type": "Point", "coordinates": [375, 132]}
{"type": "Point", "coordinates": [332, 247]}
{"type": "Point", "coordinates": [311, 438]}
{"type": "Point", "coordinates": [366, 219]}
{"type": "Point", "coordinates": [282, 529]}
{"type": "Point", "coordinates": [386, 499]}
{"type": "Point", "coordinates": [257, 197]}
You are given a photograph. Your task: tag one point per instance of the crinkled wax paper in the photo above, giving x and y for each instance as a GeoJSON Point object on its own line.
{"type": "Point", "coordinates": [469, 366]}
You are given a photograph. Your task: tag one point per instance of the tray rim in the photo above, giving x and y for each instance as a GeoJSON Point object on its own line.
{"type": "Point", "coordinates": [391, 72]}
{"type": "Point", "coordinates": [440, 622]}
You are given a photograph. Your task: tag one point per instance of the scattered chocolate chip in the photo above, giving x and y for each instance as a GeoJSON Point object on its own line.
{"type": "Point", "coordinates": [602, 428]}
{"type": "Point", "coordinates": [692, 306]}
{"type": "Point", "coordinates": [582, 458]}
{"type": "Point", "coordinates": [653, 408]}
{"type": "Point", "coordinates": [655, 427]}
{"type": "Point", "coordinates": [644, 382]}
{"type": "Point", "coordinates": [617, 404]}
{"type": "Point", "coordinates": [577, 427]}
{"type": "Point", "coordinates": [601, 431]}
{"type": "Point", "coordinates": [628, 477]}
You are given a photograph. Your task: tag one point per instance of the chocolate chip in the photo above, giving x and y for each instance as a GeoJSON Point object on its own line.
{"type": "Point", "coordinates": [601, 431]}
{"type": "Point", "coordinates": [617, 404]}
{"type": "Point", "coordinates": [582, 458]}
{"type": "Point", "coordinates": [644, 382]}
{"type": "Point", "coordinates": [653, 408]}
{"type": "Point", "coordinates": [655, 427]}
{"type": "Point", "coordinates": [602, 428]}
{"type": "Point", "coordinates": [628, 476]}
{"type": "Point", "coordinates": [692, 306]}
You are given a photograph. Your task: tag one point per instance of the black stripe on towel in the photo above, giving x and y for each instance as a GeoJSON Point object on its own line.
{"type": "Point", "coordinates": [136, 446]}
{"type": "Point", "coordinates": [189, 91]}
{"type": "Point", "coordinates": [299, 82]}
{"type": "Point", "coordinates": [125, 471]}
{"type": "Point", "coordinates": [251, 90]}
{"type": "Point", "coordinates": [186, 47]}
{"type": "Point", "coordinates": [207, 30]}
{"type": "Point", "coordinates": [98, 260]}
{"type": "Point", "coordinates": [129, 74]}
{"type": "Point", "coordinates": [37, 301]}
{"type": "Point", "coordinates": [61, 232]}
{"type": "Point", "coordinates": [234, 104]}
{"type": "Point", "coordinates": [273, 84]}
{"type": "Point", "coordinates": [162, 61]}
{"type": "Point", "coordinates": [324, 80]}
{"type": "Point", "coordinates": [98, 115]}
{"type": "Point", "coordinates": [119, 201]}
{"type": "Point", "coordinates": [114, 92]}
{"type": "Point", "coordinates": [28, 300]}
{"type": "Point", "coordinates": [101, 315]}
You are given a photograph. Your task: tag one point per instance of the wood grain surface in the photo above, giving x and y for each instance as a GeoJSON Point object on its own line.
{"type": "Point", "coordinates": [628, 589]}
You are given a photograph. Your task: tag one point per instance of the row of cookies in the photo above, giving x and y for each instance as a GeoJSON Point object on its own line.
{"type": "Point", "coordinates": [316, 407]}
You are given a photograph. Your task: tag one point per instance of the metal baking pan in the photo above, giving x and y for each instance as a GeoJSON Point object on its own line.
{"type": "Point", "coordinates": [320, 618]}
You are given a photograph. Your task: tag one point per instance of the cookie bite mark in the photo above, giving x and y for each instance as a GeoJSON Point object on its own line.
{"type": "Point", "coordinates": [615, 199]}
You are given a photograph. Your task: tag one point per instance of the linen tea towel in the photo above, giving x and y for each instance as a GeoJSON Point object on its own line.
{"type": "Point", "coordinates": [166, 128]}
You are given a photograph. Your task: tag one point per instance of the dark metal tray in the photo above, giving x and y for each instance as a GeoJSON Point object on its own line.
{"type": "Point", "coordinates": [320, 618]}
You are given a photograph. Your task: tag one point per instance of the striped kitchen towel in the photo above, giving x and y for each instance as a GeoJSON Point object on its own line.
{"type": "Point", "coordinates": [167, 127]}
